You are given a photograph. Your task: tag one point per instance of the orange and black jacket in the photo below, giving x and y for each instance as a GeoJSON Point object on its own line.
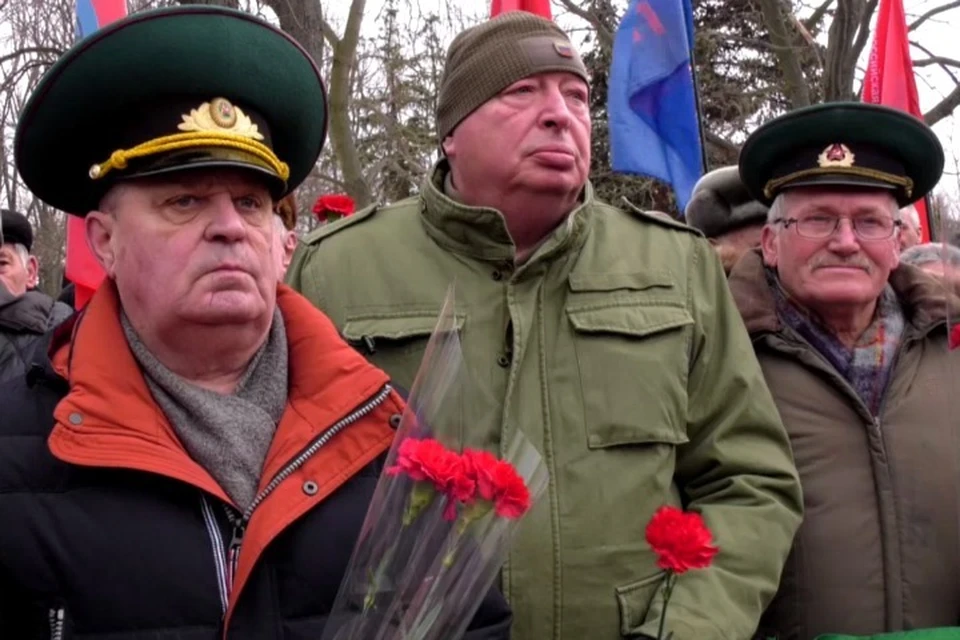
{"type": "Point", "coordinates": [109, 530]}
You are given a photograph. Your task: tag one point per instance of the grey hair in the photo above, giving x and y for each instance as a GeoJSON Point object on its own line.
{"type": "Point", "coordinates": [777, 209]}
{"type": "Point", "coordinates": [931, 252]}
{"type": "Point", "coordinates": [21, 252]}
{"type": "Point", "coordinates": [911, 216]}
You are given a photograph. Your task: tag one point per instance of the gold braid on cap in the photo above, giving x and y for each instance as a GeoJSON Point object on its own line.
{"type": "Point", "coordinates": [213, 124]}
{"type": "Point", "coordinates": [901, 181]}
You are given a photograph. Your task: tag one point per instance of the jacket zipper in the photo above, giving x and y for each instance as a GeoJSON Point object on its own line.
{"type": "Point", "coordinates": [56, 623]}
{"type": "Point", "coordinates": [226, 563]}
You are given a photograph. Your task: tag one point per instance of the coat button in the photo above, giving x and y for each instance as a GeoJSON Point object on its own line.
{"type": "Point", "coordinates": [497, 275]}
{"type": "Point", "coordinates": [503, 361]}
{"type": "Point", "coordinates": [310, 488]}
{"type": "Point", "coordinates": [75, 418]}
{"type": "Point", "coordinates": [395, 420]}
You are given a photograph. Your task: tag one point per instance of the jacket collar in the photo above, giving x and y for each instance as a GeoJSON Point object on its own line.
{"type": "Point", "coordinates": [924, 303]}
{"type": "Point", "coordinates": [29, 313]}
{"type": "Point", "coordinates": [109, 417]}
{"type": "Point", "coordinates": [481, 232]}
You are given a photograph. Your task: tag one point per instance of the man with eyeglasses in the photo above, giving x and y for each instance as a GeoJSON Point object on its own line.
{"type": "Point", "coordinates": [853, 346]}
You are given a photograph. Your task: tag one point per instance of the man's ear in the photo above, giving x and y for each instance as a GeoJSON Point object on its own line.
{"type": "Point", "coordinates": [100, 228]}
{"type": "Point", "coordinates": [768, 245]}
{"type": "Point", "coordinates": [448, 146]}
{"type": "Point", "coordinates": [33, 271]}
{"type": "Point", "coordinates": [289, 246]}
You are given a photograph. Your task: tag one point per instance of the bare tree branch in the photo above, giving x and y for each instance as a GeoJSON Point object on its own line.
{"type": "Point", "coordinates": [944, 63]}
{"type": "Point", "coordinates": [341, 138]}
{"type": "Point", "coordinates": [52, 51]}
{"type": "Point", "coordinates": [604, 34]}
{"type": "Point", "coordinates": [814, 19]}
{"type": "Point", "coordinates": [944, 108]}
{"type": "Point", "coordinates": [788, 61]}
{"type": "Point", "coordinates": [863, 36]}
{"type": "Point", "coordinates": [940, 60]}
{"type": "Point", "coordinates": [929, 14]}
{"type": "Point", "coordinates": [330, 35]}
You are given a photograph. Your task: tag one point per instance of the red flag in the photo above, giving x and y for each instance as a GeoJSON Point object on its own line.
{"type": "Point", "coordinates": [82, 269]}
{"type": "Point", "coordinates": [890, 80]}
{"type": "Point", "coordinates": [539, 7]}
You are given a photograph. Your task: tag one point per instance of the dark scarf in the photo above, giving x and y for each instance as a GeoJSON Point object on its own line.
{"type": "Point", "coordinates": [868, 364]}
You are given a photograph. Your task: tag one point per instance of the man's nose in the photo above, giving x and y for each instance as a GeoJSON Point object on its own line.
{"type": "Point", "coordinates": [844, 239]}
{"type": "Point", "coordinates": [555, 111]}
{"type": "Point", "coordinates": [226, 221]}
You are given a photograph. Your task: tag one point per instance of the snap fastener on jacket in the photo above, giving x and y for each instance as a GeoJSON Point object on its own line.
{"type": "Point", "coordinates": [503, 361]}
{"type": "Point", "coordinates": [310, 488]}
{"type": "Point", "coordinates": [498, 275]}
{"type": "Point", "coordinates": [75, 418]}
{"type": "Point", "coordinates": [395, 420]}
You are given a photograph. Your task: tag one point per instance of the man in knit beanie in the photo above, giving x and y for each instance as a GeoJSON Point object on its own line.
{"type": "Point", "coordinates": [607, 338]}
{"type": "Point", "coordinates": [723, 209]}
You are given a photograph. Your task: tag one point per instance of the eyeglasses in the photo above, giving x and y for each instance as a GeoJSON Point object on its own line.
{"type": "Point", "coordinates": [864, 227]}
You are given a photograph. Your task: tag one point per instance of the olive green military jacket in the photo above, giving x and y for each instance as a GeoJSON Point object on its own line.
{"type": "Point", "coordinates": [617, 350]}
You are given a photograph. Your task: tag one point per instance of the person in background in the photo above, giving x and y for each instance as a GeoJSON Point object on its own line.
{"type": "Point", "coordinates": [26, 314]}
{"type": "Point", "coordinates": [854, 346]}
{"type": "Point", "coordinates": [727, 214]}
{"type": "Point", "coordinates": [910, 230]}
{"type": "Point", "coordinates": [938, 259]}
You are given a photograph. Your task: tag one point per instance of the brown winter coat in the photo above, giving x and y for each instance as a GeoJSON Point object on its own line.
{"type": "Point", "coordinates": [879, 548]}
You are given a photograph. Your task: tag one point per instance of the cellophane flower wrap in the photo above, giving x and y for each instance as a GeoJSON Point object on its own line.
{"type": "Point", "coordinates": [440, 523]}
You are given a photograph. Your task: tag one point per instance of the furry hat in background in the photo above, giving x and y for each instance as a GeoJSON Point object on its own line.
{"type": "Point", "coordinates": [721, 203]}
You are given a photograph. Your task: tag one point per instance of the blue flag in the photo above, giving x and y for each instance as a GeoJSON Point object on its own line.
{"type": "Point", "coordinates": [651, 100]}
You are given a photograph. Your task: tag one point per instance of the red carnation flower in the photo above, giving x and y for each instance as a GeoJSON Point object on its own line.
{"type": "Point", "coordinates": [680, 539]}
{"type": "Point", "coordinates": [955, 336]}
{"type": "Point", "coordinates": [338, 204]}
{"type": "Point", "coordinates": [429, 461]}
{"type": "Point", "coordinates": [498, 482]}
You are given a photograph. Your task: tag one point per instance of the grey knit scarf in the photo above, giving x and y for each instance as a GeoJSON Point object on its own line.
{"type": "Point", "coordinates": [228, 435]}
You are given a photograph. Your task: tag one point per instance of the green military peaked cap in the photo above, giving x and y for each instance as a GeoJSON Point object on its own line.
{"type": "Point", "coordinates": [167, 90]}
{"type": "Point", "coordinates": [845, 144]}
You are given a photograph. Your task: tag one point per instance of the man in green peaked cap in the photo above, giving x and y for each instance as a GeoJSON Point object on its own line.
{"type": "Point", "coordinates": [853, 344]}
{"type": "Point", "coordinates": [196, 456]}
{"type": "Point", "coordinates": [606, 337]}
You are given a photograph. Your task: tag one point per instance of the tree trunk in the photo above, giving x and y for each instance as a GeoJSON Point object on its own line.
{"type": "Point", "coordinates": [303, 20]}
{"type": "Point", "coordinates": [341, 137]}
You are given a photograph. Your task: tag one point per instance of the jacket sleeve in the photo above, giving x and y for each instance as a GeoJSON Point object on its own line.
{"type": "Point", "coordinates": [737, 470]}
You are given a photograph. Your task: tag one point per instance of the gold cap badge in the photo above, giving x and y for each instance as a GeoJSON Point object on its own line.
{"type": "Point", "coordinates": [836, 155]}
{"type": "Point", "coordinates": [222, 116]}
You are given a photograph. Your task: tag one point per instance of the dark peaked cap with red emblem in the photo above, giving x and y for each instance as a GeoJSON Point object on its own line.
{"type": "Point", "coordinates": [844, 144]}
{"type": "Point", "coordinates": [169, 90]}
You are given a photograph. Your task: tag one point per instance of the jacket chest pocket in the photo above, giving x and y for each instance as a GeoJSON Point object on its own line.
{"type": "Point", "coordinates": [395, 343]}
{"type": "Point", "coordinates": [632, 360]}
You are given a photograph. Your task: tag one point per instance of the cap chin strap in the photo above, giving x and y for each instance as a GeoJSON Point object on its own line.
{"type": "Point", "coordinates": [770, 189]}
{"type": "Point", "coordinates": [118, 159]}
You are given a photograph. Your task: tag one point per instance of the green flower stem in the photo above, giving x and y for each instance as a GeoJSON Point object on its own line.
{"type": "Point", "coordinates": [668, 583]}
{"type": "Point", "coordinates": [420, 498]}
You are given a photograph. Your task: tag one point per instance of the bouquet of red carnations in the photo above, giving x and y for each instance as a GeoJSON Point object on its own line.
{"type": "Point", "coordinates": [440, 522]}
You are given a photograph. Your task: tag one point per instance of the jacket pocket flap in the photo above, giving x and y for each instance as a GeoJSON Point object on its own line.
{"type": "Point", "coordinates": [634, 600]}
{"type": "Point", "coordinates": [394, 327]}
{"type": "Point", "coordinates": [631, 320]}
{"type": "Point", "coordinates": [613, 281]}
